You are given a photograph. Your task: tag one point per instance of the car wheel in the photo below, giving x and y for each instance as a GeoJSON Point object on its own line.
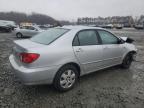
{"type": "Point", "coordinates": [66, 78]}
{"type": "Point", "coordinates": [127, 61]}
{"type": "Point", "coordinates": [19, 35]}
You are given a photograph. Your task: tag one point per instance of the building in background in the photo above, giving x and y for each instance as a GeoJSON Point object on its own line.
{"type": "Point", "coordinates": [126, 21]}
{"type": "Point", "coordinates": [141, 20]}
{"type": "Point", "coordinates": [139, 23]}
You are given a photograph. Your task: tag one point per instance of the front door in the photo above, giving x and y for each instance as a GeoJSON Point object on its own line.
{"type": "Point", "coordinates": [32, 31]}
{"type": "Point", "coordinates": [112, 50]}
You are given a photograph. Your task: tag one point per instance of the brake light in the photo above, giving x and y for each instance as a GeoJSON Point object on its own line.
{"type": "Point", "coordinates": [28, 57]}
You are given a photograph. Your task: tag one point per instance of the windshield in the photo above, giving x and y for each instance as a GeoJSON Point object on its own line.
{"type": "Point", "coordinates": [49, 36]}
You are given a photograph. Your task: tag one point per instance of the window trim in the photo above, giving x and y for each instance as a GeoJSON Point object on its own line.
{"type": "Point", "coordinates": [74, 39]}
{"type": "Point", "coordinates": [97, 35]}
{"type": "Point", "coordinates": [108, 32]}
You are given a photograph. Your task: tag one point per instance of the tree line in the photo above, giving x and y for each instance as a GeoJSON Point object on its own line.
{"type": "Point", "coordinates": [23, 17]}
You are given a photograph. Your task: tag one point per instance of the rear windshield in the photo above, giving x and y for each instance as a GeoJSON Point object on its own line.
{"type": "Point", "coordinates": [49, 35]}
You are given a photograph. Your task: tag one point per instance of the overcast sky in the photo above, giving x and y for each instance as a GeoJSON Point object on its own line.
{"type": "Point", "coordinates": [72, 9]}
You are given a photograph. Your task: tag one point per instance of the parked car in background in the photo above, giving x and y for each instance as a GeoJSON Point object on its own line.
{"type": "Point", "coordinates": [60, 55]}
{"type": "Point", "coordinates": [5, 29]}
{"type": "Point", "coordinates": [118, 26]}
{"type": "Point", "coordinates": [108, 26]}
{"type": "Point", "coordinates": [139, 26]}
{"type": "Point", "coordinates": [7, 26]}
{"type": "Point", "coordinates": [27, 31]}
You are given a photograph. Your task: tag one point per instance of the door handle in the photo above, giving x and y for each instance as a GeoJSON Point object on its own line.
{"type": "Point", "coordinates": [79, 50]}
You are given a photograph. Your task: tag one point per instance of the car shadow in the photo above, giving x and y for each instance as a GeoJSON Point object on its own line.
{"type": "Point", "coordinates": [110, 79]}
{"type": "Point", "coordinates": [22, 38]}
{"type": "Point", "coordinates": [113, 76]}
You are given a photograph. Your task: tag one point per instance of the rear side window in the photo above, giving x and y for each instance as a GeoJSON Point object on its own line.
{"type": "Point", "coordinates": [76, 41]}
{"type": "Point", "coordinates": [31, 28]}
{"type": "Point", "coordinates": [49, 36]}
{"type": "Point", "coordinates": [107, 38]}
{"type": "Point", "coordinates": [87, 37]}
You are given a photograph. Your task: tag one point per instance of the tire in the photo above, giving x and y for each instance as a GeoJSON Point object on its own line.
{"type": "Point", "coordinates": [66, 78]}
{"type": "Point", "coordinates": [127, 61]}
{"type": "Point", "coordinates": [19, 35]}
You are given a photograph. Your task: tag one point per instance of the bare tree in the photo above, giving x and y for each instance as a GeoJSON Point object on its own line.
{"type": "Point", "coordinates": [22, 17]}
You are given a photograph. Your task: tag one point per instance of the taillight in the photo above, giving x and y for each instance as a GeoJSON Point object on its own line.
{"type": "Point", "coordinates": [28, 57]}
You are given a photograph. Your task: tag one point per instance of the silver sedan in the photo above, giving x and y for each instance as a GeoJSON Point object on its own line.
{"type": "Point", "coordinates": [60, 55]}
{"type": "Point", "coordinates": [27, 31]}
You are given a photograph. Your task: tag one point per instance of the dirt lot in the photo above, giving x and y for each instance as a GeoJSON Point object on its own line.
{"type": "Point", "coordinates": [109, 88]}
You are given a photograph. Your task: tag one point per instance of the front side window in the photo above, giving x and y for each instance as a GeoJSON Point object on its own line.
{"type": "Point", "coordinates": [87, 37]}
{"type": "Point", "coordinates": [107, 38]}
{"type": "Point", "coordinates": [26, 27]}
{"type": "Point", "coordinates": [49, 35]}
{"type": "Point", "coordinates": [23, 27]}
{"type": "Point", "coordinates": [31, 28]}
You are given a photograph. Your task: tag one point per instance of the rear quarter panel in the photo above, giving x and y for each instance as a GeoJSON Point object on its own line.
{"type": "Point", "coordinates": [60, 52]}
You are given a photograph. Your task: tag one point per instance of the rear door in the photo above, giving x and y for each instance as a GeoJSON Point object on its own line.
{"type": "Point", "coordinates": [112, 50]}
{"type": "Point", "coordinates": [88, 50]}
{"type": "Point", "coordinates": [31, 31]}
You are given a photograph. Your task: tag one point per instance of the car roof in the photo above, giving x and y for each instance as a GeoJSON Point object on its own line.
{"type": "Point", "coordinates": [79, 27]}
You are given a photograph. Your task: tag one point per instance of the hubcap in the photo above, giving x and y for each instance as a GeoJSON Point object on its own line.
{"type": "Point", "coordinates": [67, 79]}
{"type": "Point", "coordinates": [18, 35]}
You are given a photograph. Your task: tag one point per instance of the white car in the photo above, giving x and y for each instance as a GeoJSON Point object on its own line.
{"type": "Point", "coordinates": [27, 31]}
{"type": "Point", "coordinates": [61, 55]}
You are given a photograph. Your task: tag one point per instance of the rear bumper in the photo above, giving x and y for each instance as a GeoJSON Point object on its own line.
{"type": "Point", "coordinates": [34, 76]}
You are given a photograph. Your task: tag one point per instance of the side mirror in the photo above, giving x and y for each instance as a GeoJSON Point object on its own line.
{"type": "Point", "coordinates": [129, 40]}
{"type": "Point", "coordinates": [120, 41]}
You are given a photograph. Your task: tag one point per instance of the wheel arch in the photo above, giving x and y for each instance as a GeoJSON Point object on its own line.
{"type": "Point", "coordinates": [18, 33]}
{"type": "Point", "coordinates": [70, 63]}
{"type": "Point", "coordinates": [130, 52]}
{"type": "Point", "coordinates": [74, 64]}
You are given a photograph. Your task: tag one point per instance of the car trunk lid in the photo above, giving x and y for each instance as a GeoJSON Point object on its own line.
{"type": "Point", "coordinates": [27, 44]}
{"type": "Point", "coordinates": [22, 46]}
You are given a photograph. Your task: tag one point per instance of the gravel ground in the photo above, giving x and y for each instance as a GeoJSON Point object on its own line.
{"type": "Point", "coordinates": [109, 88]}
